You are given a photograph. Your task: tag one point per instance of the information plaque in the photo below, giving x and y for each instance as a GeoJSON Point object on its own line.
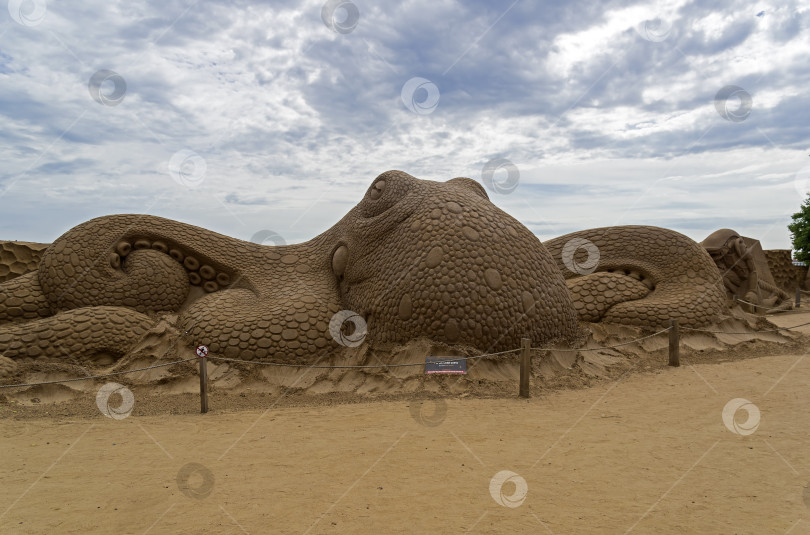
{"type": "Point", "coordinates": [445, 365]}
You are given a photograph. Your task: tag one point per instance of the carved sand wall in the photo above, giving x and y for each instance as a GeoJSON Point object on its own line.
{"type": "Point", "coordinates": [785, 274]}
{"type": "Point", "coordinates": [18, 258]}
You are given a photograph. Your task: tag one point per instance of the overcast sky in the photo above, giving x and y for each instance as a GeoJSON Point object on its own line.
{"type": "Point", "coordinates": [245, 117]}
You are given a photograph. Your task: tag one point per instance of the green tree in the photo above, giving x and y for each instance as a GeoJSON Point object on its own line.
{"type": "Point", "coordinates": [800, 232]}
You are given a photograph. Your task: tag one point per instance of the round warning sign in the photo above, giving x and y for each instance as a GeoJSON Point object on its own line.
{"type": "Point", "coordinates": [202, 351]}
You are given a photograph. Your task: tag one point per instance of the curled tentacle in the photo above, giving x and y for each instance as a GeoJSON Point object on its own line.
{"type": "Point", "coordinates": [680, 277]}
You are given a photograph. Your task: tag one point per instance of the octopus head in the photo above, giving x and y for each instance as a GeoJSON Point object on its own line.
{"type": "Point", "coordinates": [418, 258]}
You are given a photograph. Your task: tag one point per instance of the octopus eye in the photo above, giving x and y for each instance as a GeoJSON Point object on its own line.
{"type": "Point", "coordinates": [377, 189]}
{"type": "Point", "coordinates": [339, 260]}
{"type": "Point", "coordinates": [387, 190]}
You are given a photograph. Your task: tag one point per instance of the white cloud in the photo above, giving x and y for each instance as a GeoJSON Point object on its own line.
{"type": "Point", "coordinates": [294, 120]}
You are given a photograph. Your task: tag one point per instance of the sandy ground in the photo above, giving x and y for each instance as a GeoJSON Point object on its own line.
{"type": "Point", "coordinates": [644, 453]}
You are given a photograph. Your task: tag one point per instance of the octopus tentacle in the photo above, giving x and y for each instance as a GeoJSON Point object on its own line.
{"type": "Point", "coordinates": [143, 262]}
{"type": "Point", "coordinates": [79, 332]}
{"type": "Point", "coordinates": [680, 276]}
{"type": "Point", "coordinates": [22, 299]}
{"type": "Point", "coordinates": [240, 298]}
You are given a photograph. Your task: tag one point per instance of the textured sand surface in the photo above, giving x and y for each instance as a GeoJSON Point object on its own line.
{"type": "Point", "coordinates": [488, 377]}
{"type": "Point", "coordinates": [785, 274]}
{"type": "Point", "coordinates": [639, 275]}
{"type": "Point", "coordinates": [19, 257]}
{"type": "Point", "coordinates": [648, 453]}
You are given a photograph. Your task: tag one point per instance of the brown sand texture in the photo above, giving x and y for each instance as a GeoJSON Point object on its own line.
{"type": "Point", "coordinates": [785, 274]}
{"type": "Point", "coordinates": [396, 370]}
{"type": "Point", "coordinates": [17, 258]}
{"type": "Point", "coordinates": [612, 441]}
{"type": "Point", "coordinates": [639, 453]}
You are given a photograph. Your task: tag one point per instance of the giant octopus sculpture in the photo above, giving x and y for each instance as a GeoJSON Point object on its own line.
{"type": "Point", "coordinates": [414, 258]}
{"type": "Point", "coordinates": [744, 270]}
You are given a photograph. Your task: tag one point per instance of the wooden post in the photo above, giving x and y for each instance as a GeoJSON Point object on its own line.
{"type": "Point", "coordinates": [203, 386]}
{"type": "Point", "coordinates": [798, 297]}
{"type": "Point", "coordinates": [525, 367]}
{"type": "Point", "coordinates": [674, 344]}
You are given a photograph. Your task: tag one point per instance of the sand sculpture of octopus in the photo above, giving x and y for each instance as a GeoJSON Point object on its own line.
{"type": "Point", "coordinates": [414, 258]}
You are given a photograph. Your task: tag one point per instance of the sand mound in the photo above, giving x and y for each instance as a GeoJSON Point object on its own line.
{"type": "Point", "coordinates": [737, 335]}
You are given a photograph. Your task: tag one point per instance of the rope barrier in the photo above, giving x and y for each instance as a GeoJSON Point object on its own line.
{"type": "Point", "coordinates": [99, 376]}
{"type": "Point", "coordinates": [610, 347]}
{"type": "Point", "coordinates": [772, 309]}
{"type": "Point", "coordinates": [750, 332]}
{"type": "Point", "coordinates": [749, 303]}
{"type": "Point", "coordinates": [282, 364]}
{"type": "Point", "coordinates": [342, 367]}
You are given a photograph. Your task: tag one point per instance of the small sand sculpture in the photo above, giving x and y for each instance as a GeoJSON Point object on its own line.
{"type": "Point", "coordinates": [744, 269]}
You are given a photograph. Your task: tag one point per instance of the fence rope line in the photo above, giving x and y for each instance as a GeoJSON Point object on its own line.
{"type": "Point", "coordinates": [751, 332]}
{"type": "Point", "coordinates": [749, 303]}
{"type": "Point", "coordinates": [449, 359]}
{"type": "Point", "coordinates": [100, 376]}
{"type": "Point", "coordinates": [341, 367]}
{"type": "Point", "coordinates": [282, 364]}
{"type": "Point", "coordinates": [771, 309]}
{"type": "Point", "coordinates": [608, 347]}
